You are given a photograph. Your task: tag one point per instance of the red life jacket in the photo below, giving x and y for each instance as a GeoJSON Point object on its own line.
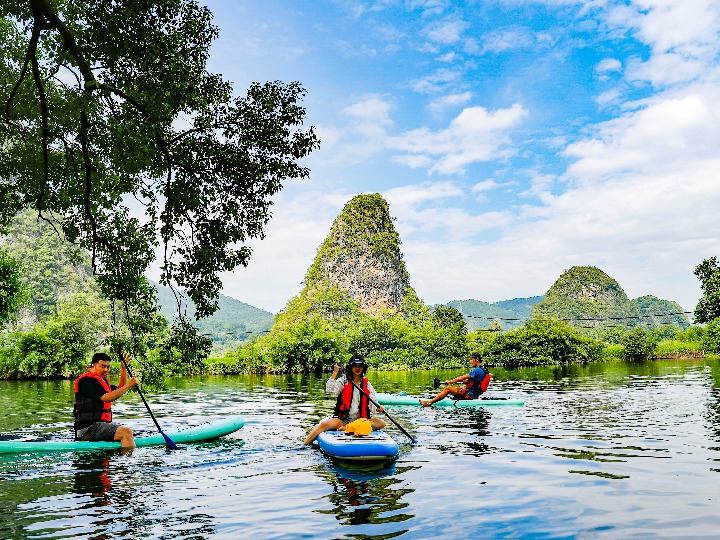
{"type": "Point", "coordinates": [477, 387]}
{"type": "Point", "coordinates": [342, 406]}
{"type": "Point", "coordinates": [92, 410]}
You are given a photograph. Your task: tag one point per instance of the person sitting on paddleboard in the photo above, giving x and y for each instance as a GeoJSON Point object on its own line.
{"type": "Point", "coordinates": [351, 403]}
{"type": "Point", "coordinates": [476, 383]}
{"type": "Point", "coordinates": [93, 403]}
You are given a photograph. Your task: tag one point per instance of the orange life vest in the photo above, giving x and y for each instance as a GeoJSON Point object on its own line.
{"type": "Point", "coordinates": [92, 410]}
{"type": "Point", "coordinates": [342, 406]}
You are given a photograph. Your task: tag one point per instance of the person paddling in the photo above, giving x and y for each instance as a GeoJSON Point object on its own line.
{"type": "Point", "coordinates": [476, 383]}
{"type": "Point", "coordinates": [93, 403]}
{"type": "Point", "coordinates": [351, 404]}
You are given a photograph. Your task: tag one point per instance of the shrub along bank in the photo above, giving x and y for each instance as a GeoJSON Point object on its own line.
{"type": "Point", "coordinates": [393, 344]}
{"type": "Point", "coordinates": [61, 346]}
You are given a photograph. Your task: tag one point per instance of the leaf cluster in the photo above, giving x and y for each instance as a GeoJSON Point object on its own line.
{"type": "Point", "coordinates": [708, 307]}
{"type": "Point", "coordinates": [113, 129]}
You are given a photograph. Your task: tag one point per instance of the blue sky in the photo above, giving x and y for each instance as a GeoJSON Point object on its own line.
{"type": "Point", "coordinates": [512, 139]}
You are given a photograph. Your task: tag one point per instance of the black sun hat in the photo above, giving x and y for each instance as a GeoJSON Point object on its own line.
{"type": "Point", "coordinates": [356, 360]}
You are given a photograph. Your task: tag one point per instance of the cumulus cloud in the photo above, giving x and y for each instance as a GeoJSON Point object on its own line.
{"type": "Point", "coordinates": [446, 32]}
{"type": "Point", "coordinates": [476, 134]}
{"type": "Point", "coordinates": [669, 133]}
{"type": "Point", "coordinates": [608, 64]}
{"type": "Point", "coordinates": [370, 109]}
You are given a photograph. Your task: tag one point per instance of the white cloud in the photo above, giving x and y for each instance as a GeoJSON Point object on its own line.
{"type": "Point", "coordinates": [672, 25]}
{"type": "Point", "coordinates": [436, 81]}
{"type": "Point", "coordinates": [665, 69]}
{"type": "Point", "coordinates": [474, 135]}
{"type": "Point", "coordinates": [451, 100]}
{"type": "Point", "coordinates": [446, 32]}
{"type": "Point", "coordinates": [507, 39]}
{"type": "Point", "coordinates": [670, 133]}
{"type": "Point", "coordinates": [608, 64]}
{"type": "Point", "coordinates": [370, 109]}
{"type": "Point", "coordinates": [485, 185]}
{"type": "Point", "coordinates": [413, 195]}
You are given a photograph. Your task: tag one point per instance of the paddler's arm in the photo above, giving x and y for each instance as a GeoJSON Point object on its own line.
{"type": "Point", "coordinates": [334, 386]}
{"type": "Point", "coordinates": [119, 391]}
{"type": "Point", "coordinates": [461, 378]}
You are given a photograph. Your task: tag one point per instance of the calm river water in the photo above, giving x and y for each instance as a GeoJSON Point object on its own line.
{"type": "Point", "coordinates": [602, 451]}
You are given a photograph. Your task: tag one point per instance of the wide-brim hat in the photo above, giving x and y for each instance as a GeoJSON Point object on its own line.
{"type": "Point", "coordinates": [357, 361]}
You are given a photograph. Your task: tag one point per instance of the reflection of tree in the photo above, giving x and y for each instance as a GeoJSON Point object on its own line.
{"type": "Point", "coordinates": [713, 414]}
{"type": "Point", "coordinates": [477, 420]}
{"type": "Point", "coordinates": [365, 494]}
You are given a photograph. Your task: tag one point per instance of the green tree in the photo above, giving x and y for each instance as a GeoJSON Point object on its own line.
{"type": "Point", "coordinates": [711, 337]}
{"type": "Point", "coordinates": [708, 308]}
{"type": "Point", "coordinates": [104, 102]}
{"type": "Point", "coordinates": [449, 317]}
{"type": "Point", "coordinates": [13, 292]}
{"type": "Point", "coordinates": [639, 345]}
{"type": "Point", "coordinates": [52, 268]}
{"type": "Point", "coordinates": [542, 342]}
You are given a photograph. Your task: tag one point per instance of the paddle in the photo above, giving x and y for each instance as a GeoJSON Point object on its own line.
{"type": "Point", "coordinates": [413, 439]}
{"type": "Point", "coordinates": [168, 441]}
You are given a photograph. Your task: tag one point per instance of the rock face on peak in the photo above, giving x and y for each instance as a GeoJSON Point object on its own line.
{"type": "Point", "coordinates": [361, 257]}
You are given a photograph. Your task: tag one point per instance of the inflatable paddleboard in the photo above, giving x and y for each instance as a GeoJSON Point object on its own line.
{"type": "Point", "coordinates": [203, 432]}
{"type": "Point", "coordinates": [399, 399]}
{"type": "Point", "coordinates": [377, 446]}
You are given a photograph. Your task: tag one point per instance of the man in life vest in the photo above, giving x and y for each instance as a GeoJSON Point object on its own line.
{"type": "Point", "coordinates": [351, 404]}
{"type": "Point", "coordinates": [93, 403]}
{"type": "Point", "coordinates": [476, 382]}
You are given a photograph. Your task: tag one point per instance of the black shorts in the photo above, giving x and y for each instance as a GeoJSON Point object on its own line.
{"type": "Point", "coordinates": [99, 431]}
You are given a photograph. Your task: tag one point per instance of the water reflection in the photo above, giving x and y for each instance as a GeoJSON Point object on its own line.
{"type": "Point", "coordinates": [92, 478]}
{"type": "Point", "coordinates": [462, 431]}
{"type": "Point", "coordinates": [367, 494]}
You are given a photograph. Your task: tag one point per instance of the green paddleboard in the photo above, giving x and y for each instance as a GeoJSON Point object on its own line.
{"type": "Point", "coordinates": [202, 432]}
{"type": "Point", "coordinates": [400, 399]}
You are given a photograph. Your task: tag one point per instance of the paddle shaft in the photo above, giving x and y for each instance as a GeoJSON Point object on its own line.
{"type": "Point", "coordinates": [168, 440]}
{"type": "Point", "coordinates": [413, 439]}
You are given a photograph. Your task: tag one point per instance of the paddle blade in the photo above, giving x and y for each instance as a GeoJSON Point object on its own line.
{"type": "Point", "coordinates": [169, 442]}
{"type": "Point", "coordinates": [436, 383]}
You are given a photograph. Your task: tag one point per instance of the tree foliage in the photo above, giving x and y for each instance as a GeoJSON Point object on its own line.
{"type": "Point", "coordinates": [107, 104]}
{"type": "Point", "coordinates": [449, 317]}
{"type": "Point", "coordinates": [540, 343]}
{"type": "Point", "coordinates": [708, 308]}
{"type": "Point", "coordinates": [639, 345]}
{"type": "Point", "coordinates": [52, 268]}
{"type": "Point", "coordinates": [13, 292]}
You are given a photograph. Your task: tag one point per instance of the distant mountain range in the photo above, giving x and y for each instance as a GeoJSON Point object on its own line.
{"type": "Point", "coordinates": [232, 323]}
{"type": "Point", "coordinates": [509, 313]}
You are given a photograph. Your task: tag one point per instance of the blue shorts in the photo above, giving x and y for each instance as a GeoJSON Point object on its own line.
{"type": "Point", "coordinates": [99, 431]}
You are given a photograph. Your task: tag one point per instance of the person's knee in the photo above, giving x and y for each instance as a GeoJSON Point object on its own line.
{"type": "Point", "coordinates": [123, 433]}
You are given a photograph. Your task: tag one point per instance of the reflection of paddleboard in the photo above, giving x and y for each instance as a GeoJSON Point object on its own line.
{"type": "Point", "coordinates": [203, 432]}
{"type": "Point", "coordinates": [398, 399]}
{"type": "Point", "coordinates": [377, 446]}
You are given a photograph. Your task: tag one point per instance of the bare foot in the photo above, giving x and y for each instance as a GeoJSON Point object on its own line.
{"type": "Point", "coordinates": [425, 403]}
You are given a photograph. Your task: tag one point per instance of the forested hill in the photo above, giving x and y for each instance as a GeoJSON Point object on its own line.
{"type": "Point", "coordinates": [233, 321]}
{"type": "Point", "coordinates": [509, 313]}
{"type": "Point", "coordinates": [585, 296]}
{"type": "Point", "coordinates": [54, 269]}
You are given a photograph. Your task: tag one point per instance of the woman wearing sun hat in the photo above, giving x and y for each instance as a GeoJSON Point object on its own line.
{"type": "Point", "coordinates": [351, 404]}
